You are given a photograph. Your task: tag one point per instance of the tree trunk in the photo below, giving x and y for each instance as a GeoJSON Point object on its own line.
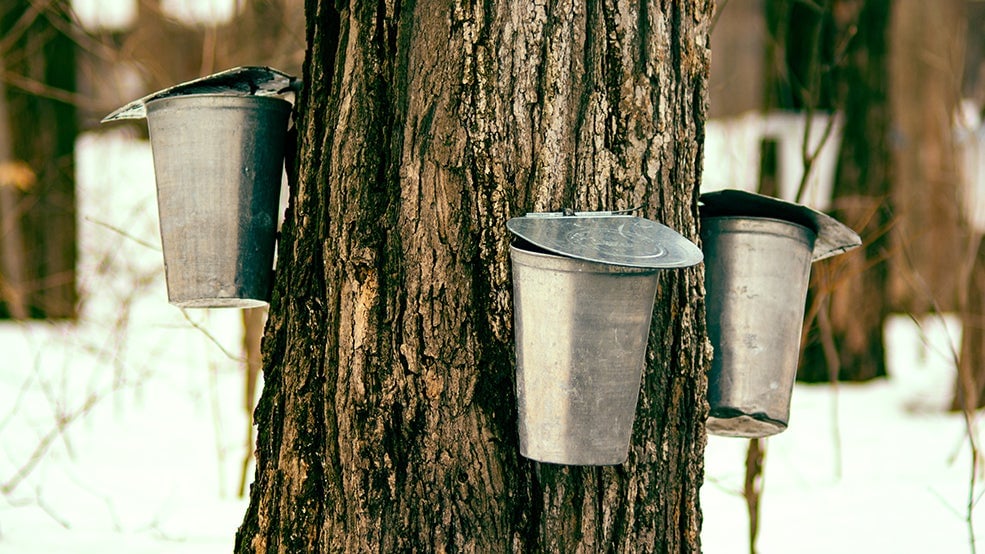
{"type": "Point", "coordinates": [969, 387]}
{"type": "Point", "coordinates": [735, 83]}
{"type": "Point", "coordinates": [846, 342]}
{"type": "Point", "coordinates": [388, 417]}
{"type": "Point", "coordinates": [928, 240]}
{"type": "Point", "coordinates": [969, 390]}
{"type": "Point", "coordinates": [37, 171]}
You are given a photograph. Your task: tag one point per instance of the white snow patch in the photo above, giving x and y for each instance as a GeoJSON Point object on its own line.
{"type": "Point", "coordinates": [128, 426]}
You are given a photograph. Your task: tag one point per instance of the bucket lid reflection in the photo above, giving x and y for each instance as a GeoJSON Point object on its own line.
{"type": "Point", "coordinates": [608, 238]}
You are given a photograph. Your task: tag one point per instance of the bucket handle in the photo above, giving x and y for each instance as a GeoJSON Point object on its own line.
{"type": "Point", "coordinates": [569, 212]}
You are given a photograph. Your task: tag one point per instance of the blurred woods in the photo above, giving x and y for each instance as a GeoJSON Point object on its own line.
{"type": "Point", "coordinates": [905, 77]}
{"type": "Point", "coordinates": [160, 47]}
{"type": "Point", "coordinates": [37, 133]}
{"type": "Point", "coordinates": [896, 88]}
{"type": "Point", "coordinates": [61, 74]}
{"type": "Point", "coordinates": [65, 66]}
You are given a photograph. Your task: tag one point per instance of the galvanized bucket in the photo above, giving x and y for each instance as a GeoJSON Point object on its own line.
{"type": "Point", "coordinates": [756, 276]}
{"type": "Point", "coordinates": [581, 336]}
{"type": "Point", "coordinates": [218, 160]}
{"type": "Point", "coordinates": [583, 291]}
{"type": "Point", "coordinates": [758, 255]}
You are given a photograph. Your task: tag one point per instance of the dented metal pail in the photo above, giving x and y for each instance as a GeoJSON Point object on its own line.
{"type": "Point", "coordinates": [218, 160]}
{"type": "Point", "coordinates": [756, 276]}
{"type": "Point", "coordinates": [581, 337]}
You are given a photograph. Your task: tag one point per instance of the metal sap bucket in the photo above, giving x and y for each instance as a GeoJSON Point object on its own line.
{"type": "Point", "coordinates": [581, 336]}
{"type": "Point", "coordinates": [583, 292]}
{"type": "Point", "coordinates": [218, 147]}
{"type": "Point", "coordinates": [757, 270]}
{"type": "Point", "coordinates": [756, 276]}
{"type": "Point", "coordinates": [218, 162]}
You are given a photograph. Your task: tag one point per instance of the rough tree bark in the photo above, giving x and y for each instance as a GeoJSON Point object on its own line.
{"type": "Point", "coordinates": [388, 417]}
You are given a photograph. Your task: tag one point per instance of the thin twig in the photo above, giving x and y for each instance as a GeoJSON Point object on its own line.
{"type": "Point", "coordinates": [720, 485]}
{"type": "Point", "coordinates": [45, 443]}
{"type": "Point", "coordinates": [753, 487]}
{"type": "Point", "coordinates": [43, 90]}
{"type": "Point", "coordinates": [834, 371]}
{"type": "Point", "coordinates": [220, 451]}
{"type": "Point", "coordinates": [19, 28]}
{"type": "Point", "coordinates": [123, 233]}
{"type": "Point", "coordinates": [17, 402]}
{"type": "Point", "coordinates": [967, 395]}
{"type": "Point", "coordinates": [810, 157]}
{"type": "Point", "coordinates": [39, 501]}
{"type": "Point", "coordinates": [211, 337]}
{"type": "Point", "coordinates": [810, 102]}
{"type": "Point", "coordinates": [971, 501]}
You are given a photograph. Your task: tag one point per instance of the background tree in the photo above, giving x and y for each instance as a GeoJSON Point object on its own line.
{"type": "Point", "coordinates": [969, 393]}
{"type": "Point", "coordinates": [929, 242]}
{"type": "Point", "coordinates": [387, 420]}
{"type": "Point", "coordinates": [846, 340]}
{"type": "Point", "coordinates": [833, 56]}
{"type": "Point", "coordinates": [37, 143]}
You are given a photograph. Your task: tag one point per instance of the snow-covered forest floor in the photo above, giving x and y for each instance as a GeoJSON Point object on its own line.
{"type": "Point", "coordinates": [125, 432]}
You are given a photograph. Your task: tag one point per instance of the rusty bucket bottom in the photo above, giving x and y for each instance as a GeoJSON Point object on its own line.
{"type": "Point", "coordinates": [730, 422]}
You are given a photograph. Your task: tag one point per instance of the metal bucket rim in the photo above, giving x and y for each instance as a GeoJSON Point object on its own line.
{"type": "Point", "coordinates": [786, 222]}
{"type": "Point", "coordinates": [777, 227]}
{"type": "Point", "coordinates": [576, 264]}
{"type": "Point", "coordinates": [218, 100]}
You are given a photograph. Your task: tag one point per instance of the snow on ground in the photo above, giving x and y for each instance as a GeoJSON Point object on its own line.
{"type": "Point", "coordinates": [137, 419]}
{"type": "Point", "coordinates": [877, 467]}
{"type": "Point", "coordinates": [898, 482]}
{"type": "Point", "coordinates": [135, 414]}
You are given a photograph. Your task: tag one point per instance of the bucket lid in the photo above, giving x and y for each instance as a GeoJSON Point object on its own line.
{"type": "Point", "coordinates": [833, 237]}
{"type": "Point", "coordinates": [239, 81]}
{"type": "Point", "coordinates": [608, 238]}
